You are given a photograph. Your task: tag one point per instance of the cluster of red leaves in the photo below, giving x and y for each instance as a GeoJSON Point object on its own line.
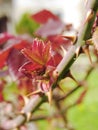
{"type": "Point", "coordinates": [11, 57]}
{"type": "Point", "coordinates": [50, 24]}
{"type": "Point", "coordinates": [29, 60]}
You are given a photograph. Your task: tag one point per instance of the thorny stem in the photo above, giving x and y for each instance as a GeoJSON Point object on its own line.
{"type": "Point", "coordinates": [76, 88]}
{"type": "Point", "coordinates": [62, 114]}
{"type": "Point", "coordinates": [22, 117]}
{"type": "Point", "coordinates": [62, 70]}
{"type": "Point", "coordinates": [55, 115]}
{"type": "Point", "coordinates": [84, 34]}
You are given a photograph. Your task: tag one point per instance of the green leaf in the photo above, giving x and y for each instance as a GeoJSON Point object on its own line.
{"type": "Point", "coordinates": [26, 25]}
{"type": "Point", "coordinates": [10, 92]}
{"type": "Point", "coordinates": [85, 115]}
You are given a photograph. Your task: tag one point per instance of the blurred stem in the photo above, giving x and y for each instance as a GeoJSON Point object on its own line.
{"type": "Point", "coordinates": [22, 117]}
{"type": "Point", "coordinates": [90, 24]}
{"type": "Point", "coordinates": [76, 88]}
{"type": "Point", "coordinates": [63, 115]}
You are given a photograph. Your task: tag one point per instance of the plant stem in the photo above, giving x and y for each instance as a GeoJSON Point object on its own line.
{"type": "Point", "coordinates": [76, 88]}
{"type": "Point", "coordinates": [84, 34]}
{"type": "Point", "coordinates": [22, 117]}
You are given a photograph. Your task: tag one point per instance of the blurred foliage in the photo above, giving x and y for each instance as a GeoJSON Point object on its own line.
{"type": "Point", "coordinates": [10, 91]}
{"type": "Point", "coordinates": [85, 115]}
{"type": "Point", "coordinates": [26, 25]}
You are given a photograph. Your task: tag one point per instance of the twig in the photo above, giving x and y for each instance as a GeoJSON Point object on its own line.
{"type": "Point", "coordinates": [76, 88]}
{"type": "Point", "coordinates": [22, 117]}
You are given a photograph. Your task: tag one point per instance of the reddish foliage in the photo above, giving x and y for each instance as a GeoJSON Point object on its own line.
{"type": "Point", "coordinates": [31, 69]}
{"type": "Point", "coordinates": [17, 43]}
{"type": "Point", "coordinates": [39, 58]}
{"type": "Point", "coordinates": [3, 57]}
{"type": "Point", "coordinates": [14, 62]}
{"type": "Point", "coordinates": [39, 52]}
{"type": "Point", "coordinates": [55, 60]}
{"type": "Point", "coordinates": [43, 16]}
{"type": "Point", "coordinates": [4, 37]}
{"type": "Point", "coordinates": [43, 60]}
{"type": "Point", "coordinates": [59, 40]}
{"type": "Point", "coordinates": [52, 27]}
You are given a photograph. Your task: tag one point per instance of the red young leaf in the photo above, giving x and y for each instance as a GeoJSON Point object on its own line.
{"type": "Point", "coordinates": [32, 69]}
{"type": "Point", "coordinates": [17, 43]}
{"type": "Point", "coordinates": [39, 52]}
{"type": "Point", "coordinates": [42, 59]}
{"type": "Point", "coordinates": [59, 40]}
{"type": "Point", "coordinates": [4, 37]}
{"type": "Point", "coordinates": [14, 61]}
{"type": "Point", "coordinates": [43, 16]}
{"type": "Point", "coordinates": [52, 27]}
{"type": "Point", "coordinates": [3, 57]}
{"type": "Point", "coordinates": [55, 60]}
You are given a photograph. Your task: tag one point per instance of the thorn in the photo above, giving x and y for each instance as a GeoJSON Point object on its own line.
{"type": "Point", "coordinates": [72, 38]}
{"type": "Point", "coordinates": [71, 76]}
{"type": "Point", "coordinates": [49, 94]}
{"type": "Point", "coordinates": [33, 93]}
{"type": "Point", "coordinates": [60, 88]}
{"type": "Point", "coordinates": [78, 51]}
{"type": "Point", "coordinates": [87, 52]}
{"type": "Point", "coordinates": [28, 116]}
{"type": "Point", "coordinates": [25, 98]}
{"type": "Point", "coordinates": [63, 51]}
{"type": "Point", "coordinates": [89, 42]}
{"type": "Point", "coordinates": [90, 14]}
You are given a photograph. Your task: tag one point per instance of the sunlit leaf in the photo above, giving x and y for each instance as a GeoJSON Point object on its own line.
{"type": "Point", "coordinates": [39, 52]}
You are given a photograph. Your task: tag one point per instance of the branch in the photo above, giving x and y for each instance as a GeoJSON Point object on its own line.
{"type": "Point", "coordinates": [84, 34]}
{"type": "Point", "coordinates": [76, 88]}
{"type": "Point", "coordinates": [22, 117]}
